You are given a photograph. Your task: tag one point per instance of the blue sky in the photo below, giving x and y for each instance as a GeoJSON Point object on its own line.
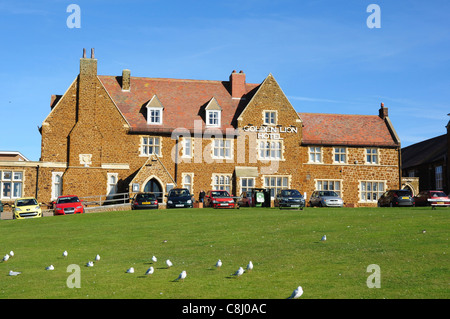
{"type": "Point", "coordinates": [321, 52]}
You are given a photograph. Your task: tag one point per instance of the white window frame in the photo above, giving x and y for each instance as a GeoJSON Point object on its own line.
{"type": "Point", "coordinates": [276, 182]}
{"type": "Point", "coordinates": [111, 185]}
{"type": "Point", "coordinates": [13, 181]}
{"type": "Point", "coordinates": [57, 185]}
{"type": "Point", "coordinates": [269, 116]}
{"type": "Point", "coordinates": [270, 150]}
{"type": "Point", "coordinates": [372, 156]}
{"type": "Point", "coordinates": [145, 146]}
{"type": "Point", "coordinates": [151, 118]}
{"type": "Point", "coordinates": [187, 147]}
{"type": "Point", "coordinates": [222, 181]}
{"type": "Point", "coordinates": [316, 153]}
{"type": "Point", "coordinates": [334, 185]}
{"type": "Point", "coordinates": [213, 118]}
{"type": "Point", "coordinates": [189, 185]}
{"type": "Point", "coordinates": [341, 154]}
{"type": "Point", "coordinates": [246, 187]}
{"type": "Point", "coordinates": [367, 190]}
{"type": "Point", "coordinates": [222, 148]}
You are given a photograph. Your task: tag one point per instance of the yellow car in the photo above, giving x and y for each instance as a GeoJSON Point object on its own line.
{"type": "Point", "coordinates": [26, 207]}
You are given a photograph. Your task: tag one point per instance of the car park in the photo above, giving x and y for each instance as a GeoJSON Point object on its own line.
{"type": "Point", "coordinates": [179, 198]}
{"type": "Point", "coordinates": [26, 207]}
{"type": "Point", "coordinates": [219, 199]}
{"type": "Point", "coordinates": [289, 198]}
{"type": "Point", "coordinates": [325, 199]}
{"type": "Point", "coordinates": [68, 204]}
{"type": "Point", "coordinates": [144, 201]}
{"type": "Point", "coordinates": [399, 197]}
{"type": "Point", "coordinates": [437, 197]}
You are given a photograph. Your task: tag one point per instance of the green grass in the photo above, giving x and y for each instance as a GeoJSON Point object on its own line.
{"type": "Point", "coordinates": [284, 247]}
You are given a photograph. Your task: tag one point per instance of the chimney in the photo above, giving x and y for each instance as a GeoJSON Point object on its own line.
{"type": "Point", "coordinates": [88, 67]}
{"type": "Point", "coordinates": [383, 112]}
{"type": "Point", "coordinates": [237, 82]}
{"type": "Point", "coordinates": [126, 80]}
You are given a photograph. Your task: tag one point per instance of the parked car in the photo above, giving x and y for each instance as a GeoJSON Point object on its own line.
{"type": "Point", "coordinates": [144, 201]}
{"type": "Point", "coordinates": [1, 207]}
{"type": "Point", "coordinates": [219, 199]}
{"type": "Point", "coordinates": [26, 207]}
{"type": "Point", "coordinates": [325, 199]}
{"type": "Point", "coordinates": [179, 197]}
{"type": "Point", "coordinates": [68, 204]}
{"type": "Point", "coordinates": [399, 197]}
{"type": "Point", "coordinates": [421, 199]}
{"type": "Point", "coordinates": [289, 198]}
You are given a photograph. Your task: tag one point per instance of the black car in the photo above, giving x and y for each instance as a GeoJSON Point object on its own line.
{"type": "Point", "coordinates": [400, 197]}
{"type": "Point", "coordinates": [289, 198]}
{"type": "Point", "coordinates": [179, 197]}
{"type": "Point", "coordinates": [144, 201]}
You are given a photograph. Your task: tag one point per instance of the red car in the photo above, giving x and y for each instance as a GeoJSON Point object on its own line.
{"type": "Point", "coordinates": [68, 204]}
{"type": "Point", "coordinates": [219, 199]}
{"type": "Point", "coordinates": [439, 196]}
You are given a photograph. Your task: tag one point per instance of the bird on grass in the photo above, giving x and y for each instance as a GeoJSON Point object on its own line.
{"type": "Point", "coordinates": [51, 267]}
{"type": "Point", "coordinates": [169, 263]}
{"type": "Point", "coordinates": [239, 272]}
{"type": "Point", "coordinates": [5, 258]}
{"type": "Point", "coordinates": [250, 266]}
{"type": "Point", "coordinates": [154, 259]}
{"type": "Point", "coordinates": [97, 258]}
{"type": "Point", "coordinates": [324, 238]}
{"type": "Point", "coordinates": [130, 270]}
{"type": "Point", "coordinates": [296, 293]}
{"type": "Point", "coordinates": [90, 264]}
{"type": "Point", "coordinates": [219, 263]}
{"type": "Point", "coordinates": [149, 271]}
{"type": "Point", "coordinates": [14, 273]}
{"type": "Point", "coordinates": [182, 276]}
{"type": "Point", "coordinates": [65, 253]}
{"type": "Point", "coordinates": [11, 253]}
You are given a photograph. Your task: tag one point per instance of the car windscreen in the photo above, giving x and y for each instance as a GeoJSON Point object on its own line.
{"type": "Point", "coordinates": [220, 194]}
{"type": "Point", "coordinates": [26, 202]}
{"type": "Point", "coordinates": [328, 193]}
{"type": "Point", "coordinates": [179, 193]}
{"type": "Point", "coordinates": [64, 200]}
{"type": "Point", "coordinates": [404, 193]}
{"type": "Point", "coordinates": [438, 194]}
{"type": "Point", "coordinates": [146, 197]}
{"type": "Point", "coordinates": [291, 193]}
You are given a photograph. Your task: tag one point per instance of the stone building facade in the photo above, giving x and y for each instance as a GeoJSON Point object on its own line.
{"type": "Point", "coordinates": [124, 134]}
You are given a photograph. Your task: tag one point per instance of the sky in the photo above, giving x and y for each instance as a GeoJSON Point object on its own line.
{"type": "Point", "coordinates": [324, 54]}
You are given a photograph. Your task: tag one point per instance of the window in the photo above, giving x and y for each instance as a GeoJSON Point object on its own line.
{"type": "Point", "coordinates": [270, 117]}
{"type": "Point", "coordinates": [315, 154]}
{"type": "Point", "coordinates": [111, 188]}
{"type": "Point", "coordinates": [213, 118]}
{"type": "Point", "coordinates": [222, 149]}
{"type": "Point", "coordinates": [275, 183]}
{"type": "Point", "coordinates": [187, 181]}
{"type": "Point", "coordinates": [222, 181]}
{"type": "Point", "coordinates": [187, 147]}
{"type": "Point", "coordinates": [340, 155]}
{"type": "Point", "coordinates": [56, 184]}
{"type": "Point", "coordinates": [371, 156]}
{"type": "Point", "coordinates": [247, 183]}
{"type": "Point", "coordinates": [370, 191]}
{"type": "Point", "coordinates": [151, 145]}
{"type": "Point", "coordinates": [329, 185]}
{"type": "Point", "coordinates": [154, 115]}
{"type": "Point", "coordinates": [438, 176]}
{"type": "Point", "coordinates": [11, 184]}
{"type": "Point", "coordinates": [270, 150]}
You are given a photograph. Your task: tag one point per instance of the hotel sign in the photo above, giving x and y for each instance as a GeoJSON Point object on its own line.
{"type": "Point", "coordinates": [270, 132]}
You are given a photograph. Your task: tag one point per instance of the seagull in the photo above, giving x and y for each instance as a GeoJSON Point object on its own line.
{"type": "Point", "coordinates": [250, 265]}
{"type": "Point", "coordinates": [239, 272]}
{"type": "Point", "coordinates": [324, 238]}
{"type": "Point", "coordinates": [50, 267]}
{"type": "Point", "coordinates": [149, 271]}
{"type": "Point", "coordinates": [154, 259]}
{"type": "Point", "coordinates": [90, 264]}
{"type": "Point", "coordinates": [424, 231]}
{"type": "Point", "coordinates": [297, 293]}
{"type": "Point", "coordinates": [65, 253]}
{"type": "Point", "coordinates": [130, 270]}
{"type": "Point", "coordinates": [97, 258]}
{"type": "Point", "coordinates": [182, 275]}
{"type": "Point", "coordinates": [219, 263]}
{"type": "Point", "coordinates": [169, 263]}
{"type": "Point", "coordinates": [14, 273]}
{"type": "Point", "coordinates": [11, 253]}
{"type": "Point", "coordinates": [6, 257]}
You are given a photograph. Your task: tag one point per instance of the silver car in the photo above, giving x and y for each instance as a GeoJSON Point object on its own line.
{"type": "Point", "coordinates": [325, 199]}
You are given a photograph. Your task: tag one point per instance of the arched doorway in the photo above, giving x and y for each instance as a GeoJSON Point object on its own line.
{"type": "Point", "coordinates": [154, 186]}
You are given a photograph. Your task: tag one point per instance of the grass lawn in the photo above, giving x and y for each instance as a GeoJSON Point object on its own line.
{"type": "Point", "coordinates": [284, 246]}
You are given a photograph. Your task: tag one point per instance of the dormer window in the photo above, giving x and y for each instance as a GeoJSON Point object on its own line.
{"type": "Point", "coordinates": [154, 111]}
{"type": "Point", "coordinates": [213, 113]}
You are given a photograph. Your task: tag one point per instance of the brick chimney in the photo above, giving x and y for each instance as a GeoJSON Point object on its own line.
{"type": "Point", "coordinates": [237, 82]}
{"type": "Point", "coordinates": [383, 112]}
{"type": "Point", "coordinates": [126, 80]}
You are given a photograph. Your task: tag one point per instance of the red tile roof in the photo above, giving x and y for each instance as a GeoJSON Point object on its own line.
{"type": "Point", "coordinates": [340, 129]}
{"type": "Point", "coordinates": [183, 101]}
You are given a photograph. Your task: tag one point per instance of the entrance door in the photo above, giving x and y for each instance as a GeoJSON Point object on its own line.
{"type": "Point", "coordinates": [153, 186]}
